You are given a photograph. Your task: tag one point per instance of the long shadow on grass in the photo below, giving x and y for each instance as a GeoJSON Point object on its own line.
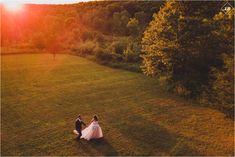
{"type": "Point", "coordinates": [151, 139]}
{"type": "Point", "coordinates": [101, 146]}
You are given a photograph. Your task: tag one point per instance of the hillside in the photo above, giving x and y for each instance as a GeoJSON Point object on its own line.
{"type": "Point", "coordinates": [188, 43]}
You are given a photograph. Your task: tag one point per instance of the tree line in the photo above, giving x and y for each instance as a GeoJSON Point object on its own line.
{"type": "Point", "coordinates": [191, 45]}
{"type": "Point", "coordinates": [188, 44]}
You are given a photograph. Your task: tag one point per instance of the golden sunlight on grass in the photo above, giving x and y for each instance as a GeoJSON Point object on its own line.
{"type": "Point", "coordinates": [41, 98]}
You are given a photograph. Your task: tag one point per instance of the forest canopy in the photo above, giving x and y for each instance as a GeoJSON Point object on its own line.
{"type": "Point", "coordinates": [188, 43]}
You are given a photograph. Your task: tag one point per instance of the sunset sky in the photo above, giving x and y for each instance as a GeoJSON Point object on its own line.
{"type": "Point", "coordinates": [43, 1]}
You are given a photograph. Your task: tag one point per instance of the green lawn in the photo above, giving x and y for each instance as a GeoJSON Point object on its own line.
{"type": "Point", "coordinates": [40, 99]}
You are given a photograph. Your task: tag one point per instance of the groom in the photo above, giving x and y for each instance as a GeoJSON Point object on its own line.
{"type": "Point", "coordinates": [78, 126]}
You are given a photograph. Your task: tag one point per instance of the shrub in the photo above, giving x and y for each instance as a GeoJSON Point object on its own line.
{"type": "Point", "coordinates": [220, 93]}
{"type": "Point", "coordinates": [39, 41]}
{"type": "Point", "coordinates": [132, 52]}
{"type": "Point", "coordinates": [86, 35]}
{"type": "Point", "coordinates": [118, 47]}
{"type": "Point", "coordinates": [84, 48]}
{"type": "Point", "coordinates": [102, 54]}
{"type": "Point", "coordinates": [99, 37]}
{"type": "Point", "coordinates": [117, 57]}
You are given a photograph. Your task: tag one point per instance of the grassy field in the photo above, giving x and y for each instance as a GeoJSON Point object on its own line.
{"type": "Point", "coordinates": [40, 99]}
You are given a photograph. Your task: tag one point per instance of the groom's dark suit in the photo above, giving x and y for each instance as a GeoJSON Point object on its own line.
{"type": "Point", "coordinates": [78, 126]}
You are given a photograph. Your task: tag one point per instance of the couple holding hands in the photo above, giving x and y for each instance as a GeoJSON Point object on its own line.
{"type": "Point", "coordinates": [93, 131]}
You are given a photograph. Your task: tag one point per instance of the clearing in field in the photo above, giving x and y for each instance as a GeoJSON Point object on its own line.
{"type": "Point", "coordinates": [41, 98]}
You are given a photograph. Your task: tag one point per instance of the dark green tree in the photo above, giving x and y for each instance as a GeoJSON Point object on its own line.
{"type": "Point", "coordinates": [178, 45]}
{"type": "Point", "coordinates": [220, 91]}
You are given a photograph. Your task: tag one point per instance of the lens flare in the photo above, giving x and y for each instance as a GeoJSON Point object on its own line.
{"type": "Point", "coordinates": [13, 6]}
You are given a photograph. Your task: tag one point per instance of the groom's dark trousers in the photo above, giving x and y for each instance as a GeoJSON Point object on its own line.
{"type": "Point", "coordinates": [80, 134]}
{"type": "Point", "coordinates": [78, 126]}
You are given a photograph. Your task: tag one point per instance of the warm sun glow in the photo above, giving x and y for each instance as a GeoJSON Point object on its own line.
{"type": "Point", "coordinates": [13, 7]}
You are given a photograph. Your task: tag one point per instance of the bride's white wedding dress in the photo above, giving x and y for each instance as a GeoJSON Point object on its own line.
{"type": "Point", "coordinates": [93, 131]}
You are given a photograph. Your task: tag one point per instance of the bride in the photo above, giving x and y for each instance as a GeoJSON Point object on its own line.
{"type": "Point", "coordinates": [93, 131]}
